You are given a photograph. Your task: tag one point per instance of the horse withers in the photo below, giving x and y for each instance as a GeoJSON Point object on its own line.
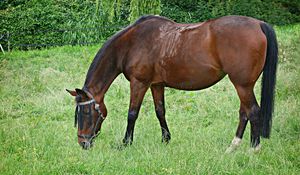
{"type": "Point", "coordinates": [156, 52]}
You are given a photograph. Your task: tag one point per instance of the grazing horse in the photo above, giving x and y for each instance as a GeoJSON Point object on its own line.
{"type": "Point", "coordinates": [156, 52]}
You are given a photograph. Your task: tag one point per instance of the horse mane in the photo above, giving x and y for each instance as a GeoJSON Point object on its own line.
{"type": "Point", "coordinates": [98, 56]}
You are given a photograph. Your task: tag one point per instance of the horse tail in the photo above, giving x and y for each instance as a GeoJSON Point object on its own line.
{"type": "Point", "coordinates": [268, 80]}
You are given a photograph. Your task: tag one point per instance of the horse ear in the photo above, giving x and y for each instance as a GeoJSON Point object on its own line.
{"type": "Point", "coordinates": [81, 92]}
{"type": "Point", "coordinates": [73, 93]}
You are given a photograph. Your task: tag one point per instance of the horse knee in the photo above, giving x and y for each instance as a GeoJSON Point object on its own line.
{"type": "Point", "coordinates": [132, 116]}
{"type": "Point", "coordinates": [160, 112]}
{"type": "Point", "coordinates": [243, 116]}
{"type": "Point", "coordinates": [254, 115]}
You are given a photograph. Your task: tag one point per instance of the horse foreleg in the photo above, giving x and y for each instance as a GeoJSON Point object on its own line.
{"type": "Point", "coordinates": [137, 92]}
{"type": "Point", "coordinates": [159, 103]}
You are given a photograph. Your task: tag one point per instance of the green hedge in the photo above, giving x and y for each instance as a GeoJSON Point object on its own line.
{"type": "Point", "coordinates": [84, 21]}
{"type": "Point", "coordinates": [56, 22]}
{"type": "Point", "coordinates": [278, 12]}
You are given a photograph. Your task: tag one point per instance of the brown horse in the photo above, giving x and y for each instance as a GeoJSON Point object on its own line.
{"type": "Point", "coordinates": [156, 52]}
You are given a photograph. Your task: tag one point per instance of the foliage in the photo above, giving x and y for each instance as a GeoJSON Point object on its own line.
{"type": "Point", "coordinates": [142, 7]}
{"type": "Point", "coordinates": [60, 22]}
{"type": "Point", "coordinates": [275, 12]}
{"type": "Point", "coordinates": [4, 4]}
{"type": "Point", "coordinates": [37, 134]}
{"type": "Point", "coordinates": [23, 20]}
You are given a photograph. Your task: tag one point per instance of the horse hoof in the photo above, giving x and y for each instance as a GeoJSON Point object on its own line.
{"type": "Point", "coordinates": [236, 142]}
{"type": "Point", "coordinates": [127, 142]}
{"type": "Point", "coordinates": [255, 149]}
{"type": "Point", "coordinates": [165, 140]}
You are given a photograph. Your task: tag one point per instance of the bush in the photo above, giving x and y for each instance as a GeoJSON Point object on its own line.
{"type": "Point", "coordinates": [47, 22]}
{"type": "Point", "coordinates": [44, 22]}
{"type": "Point", "coordinates": [278, 12]}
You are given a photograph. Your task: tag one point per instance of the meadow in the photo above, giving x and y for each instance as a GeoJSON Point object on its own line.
{"type": "Point", "coordinates": [37, 116]}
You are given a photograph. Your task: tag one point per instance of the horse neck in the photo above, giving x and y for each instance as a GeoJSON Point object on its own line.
{"type": "Point", "coordinates": [101, 74]}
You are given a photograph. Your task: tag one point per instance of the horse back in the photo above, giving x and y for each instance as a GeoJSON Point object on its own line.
{"type": "Point", "coordinates": [192, 56]}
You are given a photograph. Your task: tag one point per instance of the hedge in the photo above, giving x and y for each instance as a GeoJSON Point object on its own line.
{"type": "Point", "coordinates": [61, 22]}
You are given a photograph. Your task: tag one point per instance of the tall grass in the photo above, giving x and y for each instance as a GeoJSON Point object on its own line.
{"type": "Point", "coordinates": [37, 134]}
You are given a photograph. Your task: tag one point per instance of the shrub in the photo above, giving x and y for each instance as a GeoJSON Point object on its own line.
{"type": "Point", "coordinates": [278, 12]}
{"type": "Point", "coordinates": [46, 22]}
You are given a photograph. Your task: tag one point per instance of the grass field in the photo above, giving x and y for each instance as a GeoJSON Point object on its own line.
{"type": "Point", "coordinates": [37, 134]}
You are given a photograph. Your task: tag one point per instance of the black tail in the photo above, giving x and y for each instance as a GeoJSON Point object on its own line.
{"type": "Point", "coordinates": [268, 80]}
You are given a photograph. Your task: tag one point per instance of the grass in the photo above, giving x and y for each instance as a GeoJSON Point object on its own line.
{"type": "Point", "coordinates": [37, 134]}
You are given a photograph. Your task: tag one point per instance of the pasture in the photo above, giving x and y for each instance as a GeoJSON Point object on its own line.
{"type": "Point", "coordinates": [37, 117]}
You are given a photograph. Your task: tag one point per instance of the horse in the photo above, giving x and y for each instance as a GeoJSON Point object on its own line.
{"type": "Point", "coordinates": [156, 52]}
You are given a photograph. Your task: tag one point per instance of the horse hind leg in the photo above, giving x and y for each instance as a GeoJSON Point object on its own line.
{"type": "Point", "coordinates": [249, 110]}
{"type": "Point", "coordinates": [237, 140]}
{"type": "Point", "coordinates": [255, 127]}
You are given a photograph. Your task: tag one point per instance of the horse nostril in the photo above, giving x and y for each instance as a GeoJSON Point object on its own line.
{"type": "Point", "coordinates": [85, 145]}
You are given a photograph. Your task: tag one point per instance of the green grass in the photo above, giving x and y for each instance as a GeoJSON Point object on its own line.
{"type": "Point", "coordinates": [37, 134]}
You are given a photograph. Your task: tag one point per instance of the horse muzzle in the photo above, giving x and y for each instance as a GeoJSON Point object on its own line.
{"type": "Point", "coordinates": [86, 144]}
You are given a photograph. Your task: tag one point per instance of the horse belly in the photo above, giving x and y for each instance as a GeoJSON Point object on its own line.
{"type": "Point", "coordinates": [192, 77]}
